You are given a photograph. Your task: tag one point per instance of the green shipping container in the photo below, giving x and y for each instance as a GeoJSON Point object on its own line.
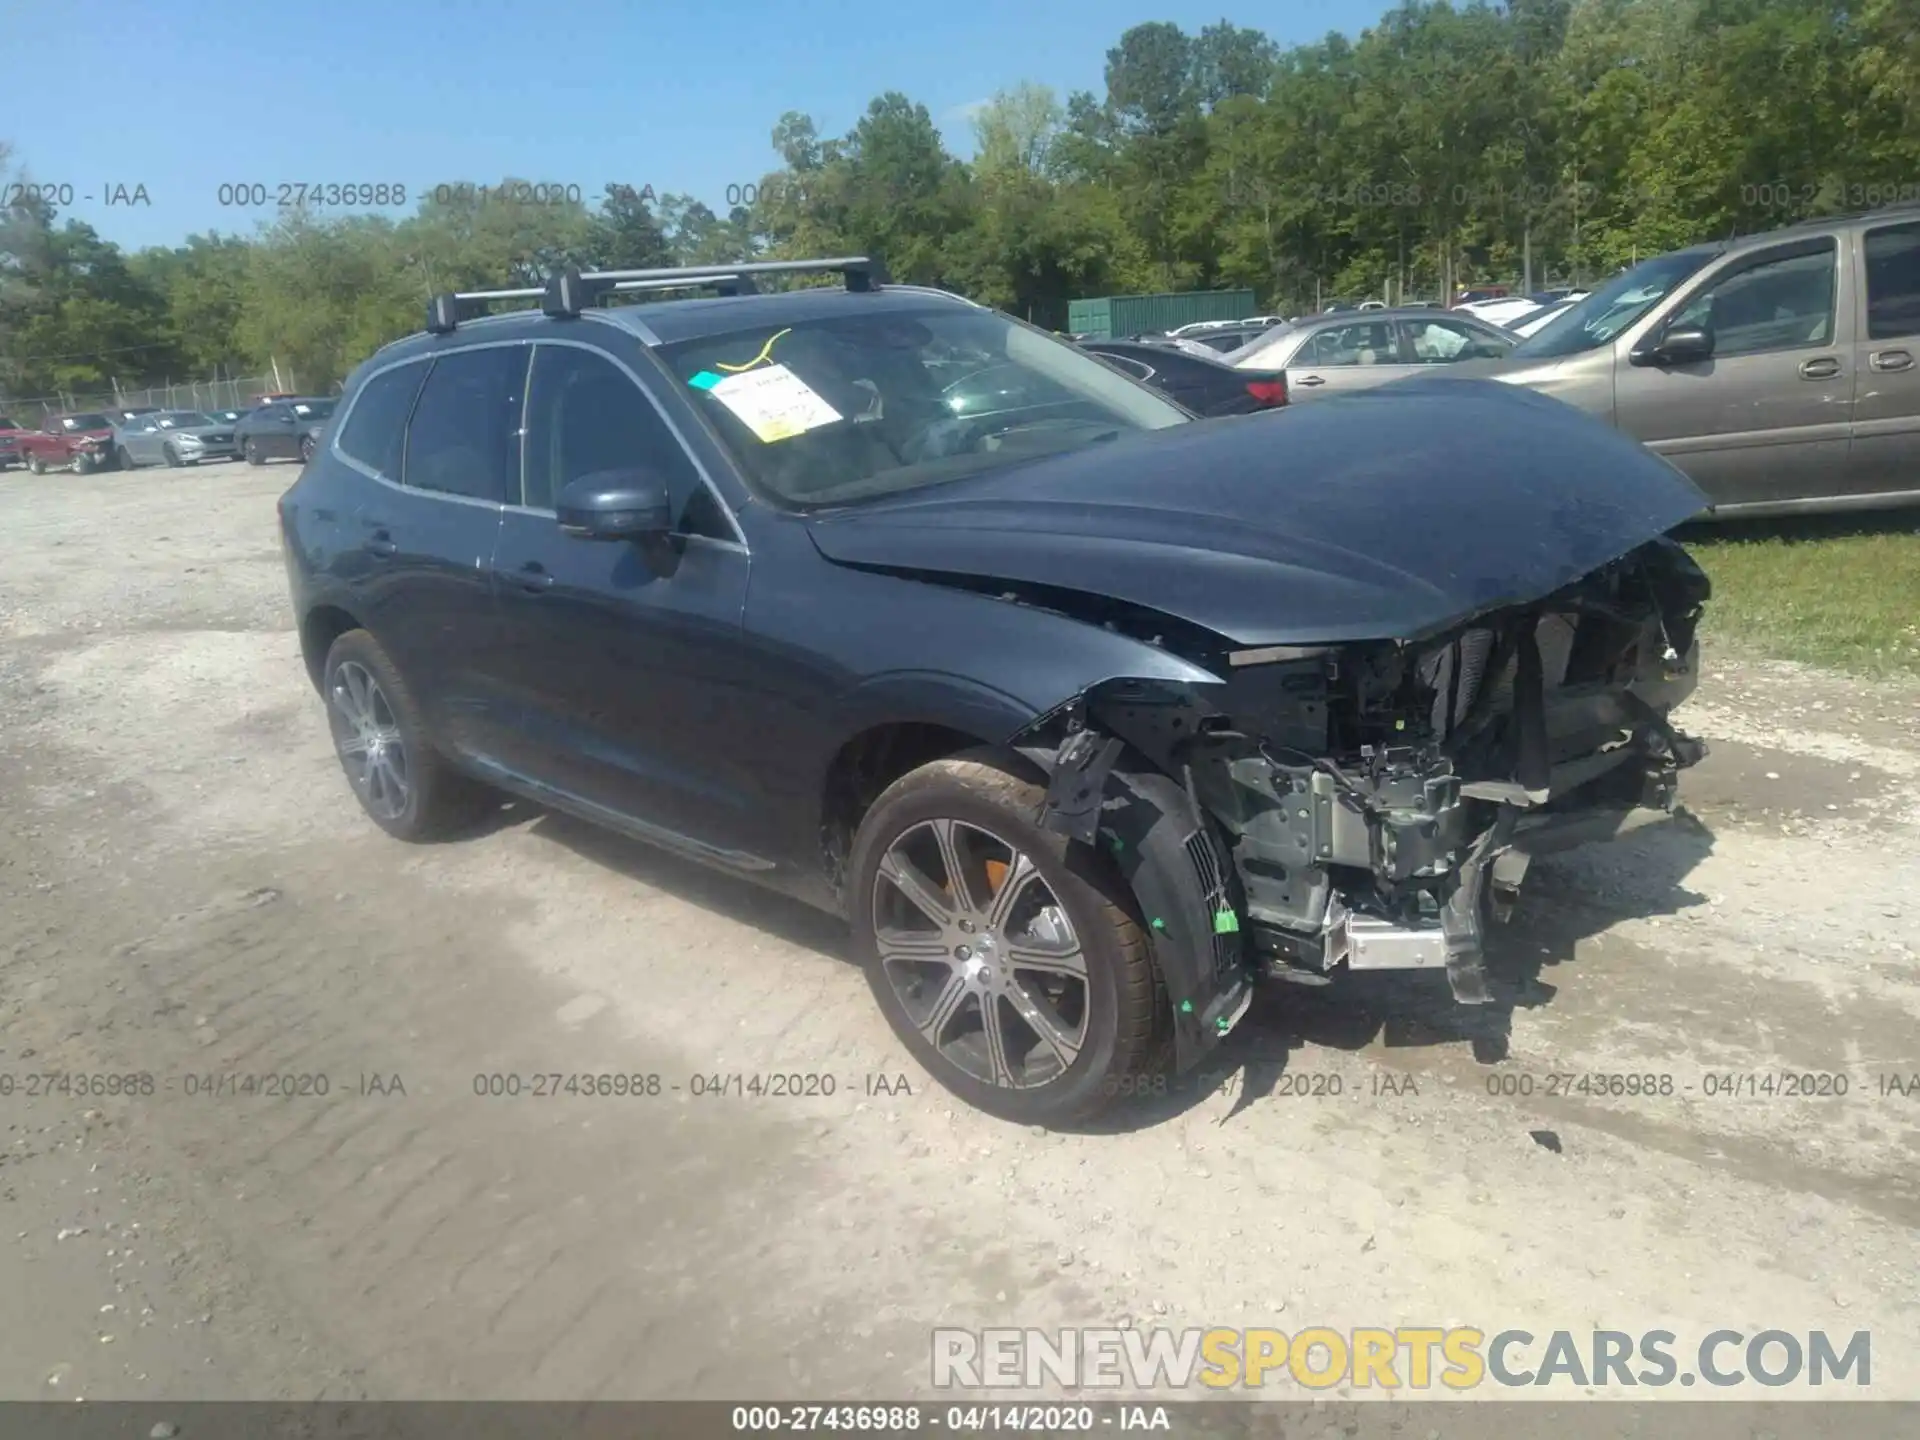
{"type": "Point", "coordinates": [1123, 315]}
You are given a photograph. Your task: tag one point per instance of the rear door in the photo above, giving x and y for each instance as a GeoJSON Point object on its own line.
{"type": "Point", "coordinates": [1885, 457]}
{"type": "Point", "coordinates": [626, 656]}
{"type": "Point", "coordinates": [440, 441]}
{"type": "Point", "coordinates": [1338, 359]}
{"type": "Point", "coordinates": [1767, 417]}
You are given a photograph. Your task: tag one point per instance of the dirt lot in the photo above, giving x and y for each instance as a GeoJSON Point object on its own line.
{"type": "Point", "coordinates": [189, 890]}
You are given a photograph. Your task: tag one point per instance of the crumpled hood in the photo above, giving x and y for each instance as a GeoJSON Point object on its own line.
{"type": "Point", "coordinates": [1388, 514]}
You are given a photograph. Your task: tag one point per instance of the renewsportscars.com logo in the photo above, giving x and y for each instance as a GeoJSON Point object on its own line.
{"type": "Point", "coordinates": [1398, 1359]}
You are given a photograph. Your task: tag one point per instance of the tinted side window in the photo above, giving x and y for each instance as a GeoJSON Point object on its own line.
{"type": "Point", "coordinates": [586, 416]}
{"type": "Point", "coordinates": [462, 437]}
{"type": "Point", "coordinates": [1893, 281]}
{"type": "Point", "coordinates": [1778, 302]}
{"type": "Point", "coordinates": [376, 430]}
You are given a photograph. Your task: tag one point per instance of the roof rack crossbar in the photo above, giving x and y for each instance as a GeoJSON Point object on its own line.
{"type": "Point", "coordinates": [446, 310]}
{"type": "Point", "coordinates": [848, 265]}
{"type": "Point", "coordinates": [569, 291]}
{"type": "Point", "coordinates": [727, 284]}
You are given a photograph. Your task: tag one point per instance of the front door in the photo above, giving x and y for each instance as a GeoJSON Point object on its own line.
{"type": "Point", "coordinates": [626, 656]}
{"type": "Point", "coordinates": [1767, 416]}
{"type": "Point", "coordinates": [1886, 386]}
{"type": "Point", "coordinates": [1342, 358]}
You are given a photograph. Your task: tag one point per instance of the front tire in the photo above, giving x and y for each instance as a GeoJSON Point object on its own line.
{"type": "Point", "coordinates": [172, 457]}
{"type": "Point", "coordinates": [1007, 958]}
{"type": "Point", "coordinates": [252, 451]}
{"type": "Point", "coordinates": [306, 449]}
{"type": "Point", "coordinates": [122, 460]}
{"type": "Point", "coordinates": [406, 786]}
{"type": "Point", "coordinates": [36, 465]}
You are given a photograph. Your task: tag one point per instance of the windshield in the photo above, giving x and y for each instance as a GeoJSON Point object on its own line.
{"type": "Point", "coordinates": [850, 408]}
{"type": "Point", "coordinates": [176, 419]}
{"type": "Point", "coordinates": [85, 422]}
{"type": "Point", "coordinates": [1613, 308]}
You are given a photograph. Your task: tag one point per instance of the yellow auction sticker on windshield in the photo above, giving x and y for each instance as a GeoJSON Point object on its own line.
{"type": "Point", "coordinates": [774, 403]}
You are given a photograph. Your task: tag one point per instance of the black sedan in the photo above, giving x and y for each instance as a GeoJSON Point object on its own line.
{"type": "Point", "coordinates": [1206, 387]}
{"type": "Point", "coordinates": [283, 430]}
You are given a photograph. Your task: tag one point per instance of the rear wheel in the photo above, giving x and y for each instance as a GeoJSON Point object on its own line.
{"type": "Point", "coordinates": [37, 465]}
{"type": "Point", "coordinates": [1006, 958]}
{"type": "Point", "coordinates": [251, 449]}
{"type": "Point", "coordinates": [306, 449]}
{"type": "Point", "coordinates": [380, 738]}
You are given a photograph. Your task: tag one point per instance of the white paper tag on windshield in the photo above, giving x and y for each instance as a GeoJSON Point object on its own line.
{"type": "Point", "coordinates": [774, 403]}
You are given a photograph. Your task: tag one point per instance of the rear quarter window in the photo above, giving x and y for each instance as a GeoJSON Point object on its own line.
{"type": "Point", "coordinates": [376, 426]}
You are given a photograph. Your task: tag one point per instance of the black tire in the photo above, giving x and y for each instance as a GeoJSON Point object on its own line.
{"type": "Point", "coordinates": [1122, 1044]}
{"type": "Point", "coordinates": [36, 465]}
{"type": "Point", "coordinates": [306, 449]}
{"type": "Point", "coordinates": [172, 456]}
{"type": "Point", "coordinates": [440, 801]}
{"type": "Point", "coordinates": [122, 460]}
{"type": "Point", "coordinates": [252, 452]}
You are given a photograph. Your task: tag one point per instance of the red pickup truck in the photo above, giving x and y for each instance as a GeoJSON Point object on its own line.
{"type": "Point", "coordinates": [9, 443]}
{"type": "Point", "coordinates": [79, 443]}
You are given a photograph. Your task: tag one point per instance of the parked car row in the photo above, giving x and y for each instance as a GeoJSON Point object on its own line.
{"type": "Point", "coordinates": [283, 427]}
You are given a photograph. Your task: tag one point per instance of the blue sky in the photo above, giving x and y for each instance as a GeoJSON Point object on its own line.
{"type": "Point", "coordinates": [201, 93]}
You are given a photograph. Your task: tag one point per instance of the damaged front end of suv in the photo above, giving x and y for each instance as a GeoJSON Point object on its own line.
{"type": "Point", "coordinates": [1374, 804]}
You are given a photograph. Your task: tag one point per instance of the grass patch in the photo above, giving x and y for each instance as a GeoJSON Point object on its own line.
{"type": "Point", "coordinates": [1839, 591]}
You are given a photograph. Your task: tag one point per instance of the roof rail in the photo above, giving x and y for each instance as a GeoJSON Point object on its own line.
{"type": "Point", "coordinates": [569, 291]}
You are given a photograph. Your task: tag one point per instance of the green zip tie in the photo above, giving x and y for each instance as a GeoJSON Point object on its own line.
{"type": "Point", "coordinates": [1225, 922]}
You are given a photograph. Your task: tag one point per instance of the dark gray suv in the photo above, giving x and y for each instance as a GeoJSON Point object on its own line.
{"type": "Point", "coordinates": [1083, 712]}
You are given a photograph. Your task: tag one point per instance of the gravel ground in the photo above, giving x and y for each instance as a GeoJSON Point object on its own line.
{"type": "Point", "coordinates": [187, 889]}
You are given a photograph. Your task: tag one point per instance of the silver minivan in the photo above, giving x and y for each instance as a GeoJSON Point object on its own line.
{"type": "Point", "coordinates": [1778, 371]}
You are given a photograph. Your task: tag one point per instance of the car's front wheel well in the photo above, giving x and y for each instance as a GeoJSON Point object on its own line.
{"type": "Point", "coordinates": [321, 626]}
{"type": "Point", "coordinates": [865, 766]}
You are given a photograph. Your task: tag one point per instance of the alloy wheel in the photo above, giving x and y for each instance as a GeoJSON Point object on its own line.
{"type": "Point", "coordinates": [366, 734]}
{"type": "Point", "coordinates": [981, 954]}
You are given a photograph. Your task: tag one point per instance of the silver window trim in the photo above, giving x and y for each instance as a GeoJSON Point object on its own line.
{"type": "Point", "coordinates": [345, 416]}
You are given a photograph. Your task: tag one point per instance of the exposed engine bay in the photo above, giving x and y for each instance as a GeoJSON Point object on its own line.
{"type": "Point", "coordinates": [1374, 804]}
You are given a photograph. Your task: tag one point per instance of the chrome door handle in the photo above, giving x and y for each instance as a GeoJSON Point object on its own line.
{"type": "Point", "coordinates": [1825, 368]}
{"type": "Point", "coordinates": [1891, 360]}
{"type": "Point", "coordinates": [1311, 380]}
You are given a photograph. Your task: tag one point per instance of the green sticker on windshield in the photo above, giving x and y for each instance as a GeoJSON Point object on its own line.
{"type": "Point", "coordinates": [705, 380]}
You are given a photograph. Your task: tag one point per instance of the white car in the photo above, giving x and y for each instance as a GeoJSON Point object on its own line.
{"type": "Point", "coordinates": [1503, 311]}
{"type": "Point", "coordinates": [1530, 325]}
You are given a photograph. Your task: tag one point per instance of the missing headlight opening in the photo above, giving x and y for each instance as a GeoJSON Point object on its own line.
{"type": "Point", "coordinates": [1374, 804]}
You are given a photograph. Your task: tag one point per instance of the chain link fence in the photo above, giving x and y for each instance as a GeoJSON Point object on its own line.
{"type": "Point", "coordinates": [229, 394]}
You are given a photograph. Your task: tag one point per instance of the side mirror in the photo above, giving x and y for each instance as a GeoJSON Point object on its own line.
{"type": "Point", "coordinates": [1687, 345]}
{"type": "Point", "coordinates": [615, 505]}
